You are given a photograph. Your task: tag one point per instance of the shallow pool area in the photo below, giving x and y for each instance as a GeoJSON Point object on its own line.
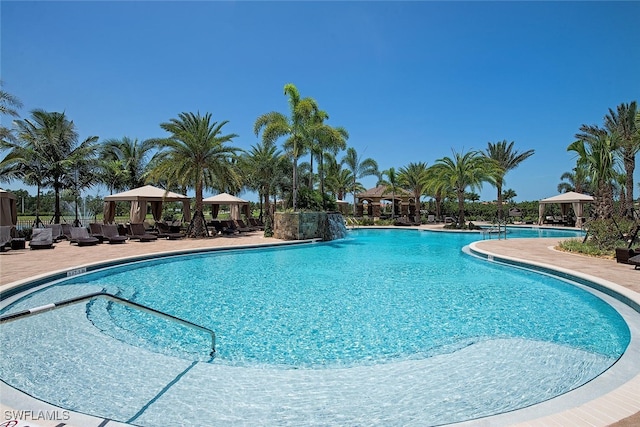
{"type": "Point", "coordinates": [385, 325]}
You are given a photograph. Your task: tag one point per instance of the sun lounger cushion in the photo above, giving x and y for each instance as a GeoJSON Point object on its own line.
{"type": "Point", "coordinates": [81, 237]}
{"type": "Point", "coordinates": [41, 238]}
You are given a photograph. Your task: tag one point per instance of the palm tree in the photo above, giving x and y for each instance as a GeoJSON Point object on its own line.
{"type": "Point", "coordinates": [392, 183]}
{"type": "Point", "coordinates": [470, 169]}
{"type": "Point", "coordinates": [275, 125]}
{"type": "Point", "coordinates": [132, 154]}
{"type": "Point", "coordinates": [359, 168]}
{"type": "Point", "coordinates": [507, 159]}
{"type": "Point", "coordinates": [329, 140]}
{"type": "Point", "coordinates": [622, 123]}
{"type": "Point", "coordinates": [24, 162]}
{"type": "Point", "coordinates": [54, 141]}
{"type": "Point", "coordinates": [596, 150]}
{"type": "Point", "coordinates": [414, 178]}
{"type": "Point", "coordinates": [8, 105]}
{"type": "Point", "coordinates": [338, 179]}
{"type": "Point", "coordinates": [262, 166]}
{"type": "Point", "coordinates": [196, 156]}
{"type": "Point", "coordinates": [577, 181]}
{"type": "Point", "coordinates": [113, 174]}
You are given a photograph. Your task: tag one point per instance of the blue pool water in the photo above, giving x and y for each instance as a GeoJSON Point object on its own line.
{"type": "Point", "coordinates": [374, 302]}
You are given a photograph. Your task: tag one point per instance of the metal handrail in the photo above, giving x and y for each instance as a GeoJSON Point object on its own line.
{"type": "Point", "coordinates": [70, 301]}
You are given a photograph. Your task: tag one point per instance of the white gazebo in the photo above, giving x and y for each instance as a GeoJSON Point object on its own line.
{"type": "Point", "coordinates": [571, 198]}
{"type": "Point", "coordinates": [139, 197]}
{"type": "Point", "coordinates": [236, 205]}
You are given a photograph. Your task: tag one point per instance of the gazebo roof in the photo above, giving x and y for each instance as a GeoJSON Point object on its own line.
{"type": "Point", "coordinates": [381, 192]}
{"type": "Point", "coordinates": [568, 197]}
{"type": "Point", "coordinates": [223, 199]}
{"type": "Point", "coordinates": [148, 193]}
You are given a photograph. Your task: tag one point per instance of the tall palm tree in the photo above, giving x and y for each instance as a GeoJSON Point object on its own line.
{"type": "Point", "coordinates": [622, 123]}
{"type": "Point", "coordinates": [470, 169]}
{"type": "Point", "coordinates": [132, 154]}
{"type": "Point", "coordinates": [507, 159]}
{"type": "Point", "coordinates": [359, 168]}
{"type": "Point", "coordinates": [196, 156]}
{"type": "Point", "coordinates": [55, 140]}
{"type": "Point", "coordinates": [414, 178]}
{"type": "Point", "coordinates": [596, 149]}
{"type": "Point", "coordinates": [296, 128]}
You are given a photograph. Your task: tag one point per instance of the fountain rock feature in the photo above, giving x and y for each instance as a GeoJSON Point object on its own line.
{"type": "Point", "coordinates": [309, 225]}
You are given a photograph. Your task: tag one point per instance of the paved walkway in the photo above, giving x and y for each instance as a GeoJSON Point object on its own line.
{"type": "Point", "coordinates": [18, 265]}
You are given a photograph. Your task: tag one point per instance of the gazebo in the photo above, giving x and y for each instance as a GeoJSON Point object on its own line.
{"type": "Point", "coordinates": [8, 208]}
{"type": "Point", "coordinates": [139, 197]}
{"type": "Point", "coordinates": [236, 205]}
{"type": "Point", "coordinates": [402, 201]}
{"type": "Point", "coordinates": [565, 200]}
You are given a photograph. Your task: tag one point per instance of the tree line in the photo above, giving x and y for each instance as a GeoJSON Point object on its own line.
{"type": "Point", "coordinates": [46, 151]}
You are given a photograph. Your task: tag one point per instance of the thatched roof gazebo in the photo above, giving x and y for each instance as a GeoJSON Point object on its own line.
{"type": "Point", "coordinates": [402, 200]}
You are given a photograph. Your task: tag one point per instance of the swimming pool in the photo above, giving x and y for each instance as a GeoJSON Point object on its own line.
{"type": "Point", "coordinates": [384, 325]}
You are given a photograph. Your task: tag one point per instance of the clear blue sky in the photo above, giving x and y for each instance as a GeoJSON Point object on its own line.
{"type": "Point", "coordinates": [410, 81]}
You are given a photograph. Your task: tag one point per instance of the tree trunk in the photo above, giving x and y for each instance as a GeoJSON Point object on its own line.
{"type": "Point", "coordinates": [629, 166]}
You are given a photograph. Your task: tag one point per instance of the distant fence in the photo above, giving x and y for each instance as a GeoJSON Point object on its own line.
{"type": "Point", "coordinates": [31, 223]}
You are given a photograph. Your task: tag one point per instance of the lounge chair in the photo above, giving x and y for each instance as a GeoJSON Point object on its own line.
{"type": "Point", "coordinates": [66, 231]}
{"type": "Point", "coordinates": [256, 223]}
{"type": "Point", "coordinates": [624, 255]}
{"type": "Point", "coordinates": [81, 237]}
{"type": "Point", "coordinates": [138, 232]}
{"type": "Point", "coordinates": [635, 261]}
{"type": "Point", "coordinates": [403, 222]}
{"type": "Point", "coordinates": [164, 230]}
{"type": "Point", "coordinates": [57, 233]}
{"type": "Point", "coordinates": [95, 229]}
{"type": "Point", "coordinates": [241, 226]}
{"type": "Point", "coordinates": [41, 238]}
{"type": "Point", "coordinates": [111, 235]}
{"type": "Point", "coordinates": [221, 227]}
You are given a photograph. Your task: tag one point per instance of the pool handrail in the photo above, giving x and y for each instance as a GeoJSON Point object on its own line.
{"type": "Point", "coordinates": [114, 298]}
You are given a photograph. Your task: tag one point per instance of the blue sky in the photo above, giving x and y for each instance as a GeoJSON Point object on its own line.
{"type": "Point", "coordinates": [410, 81]}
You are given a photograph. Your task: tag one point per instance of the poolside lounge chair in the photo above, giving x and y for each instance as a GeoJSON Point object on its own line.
{"type": "Point", "coordinates": [41, 238]}
{"type": "Point", "coordinates": [81, 237]}
{"type": "Point", "coordinates": [138, 232]}
{"type": "Point", "coordinates": [624, 255]}
{"type": "Point", "coordinates": [95, 229]}
{"type": "Point", "coordinates": [164, 230]}
{"type": "Point", "coordinates": [241, 226]}
{"type": "Point", "coordinates": [66, 231]}
{"type": "Point", "coordinates": [256, 223]}
{"type": "Point", "coordinates": [57, 233]}
{"type": "Point", "coordinates": [111, 235]}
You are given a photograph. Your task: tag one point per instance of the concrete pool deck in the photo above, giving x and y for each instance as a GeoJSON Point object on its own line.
{"type": "Point", "coordinates": [620, 407]}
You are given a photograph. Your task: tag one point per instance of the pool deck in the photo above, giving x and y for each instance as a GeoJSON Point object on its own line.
{"type": "Point", "coordinates": [619, 408]}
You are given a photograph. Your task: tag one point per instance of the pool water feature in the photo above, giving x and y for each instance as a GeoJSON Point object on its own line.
{"type": "Point", "coordinates": [383, 325]}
